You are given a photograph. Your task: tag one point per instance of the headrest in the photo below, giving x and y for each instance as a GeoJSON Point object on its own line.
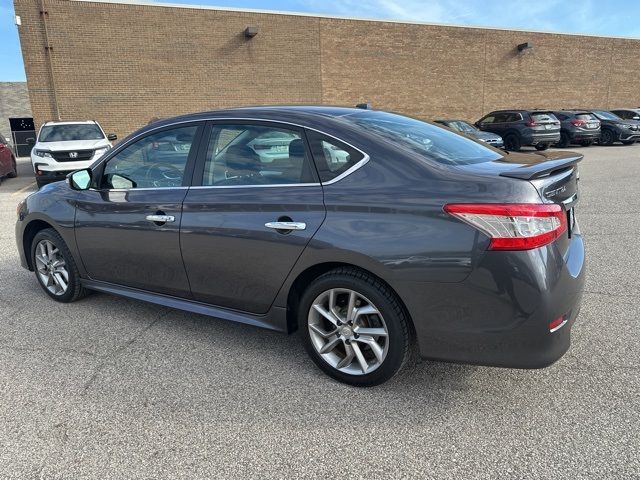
{"type": "Point", "coordinates": [296, 148]}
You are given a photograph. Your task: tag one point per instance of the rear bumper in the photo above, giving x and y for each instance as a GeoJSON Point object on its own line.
{"type": "Point", "coordinates": [500, 315]}
{"type": "Point", "coordinates": [583, 135]}
{"type": "Point", "coordinates": [541, 138]}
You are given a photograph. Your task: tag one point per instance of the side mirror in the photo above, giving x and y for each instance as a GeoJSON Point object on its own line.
{"type": "Point", "coordinates": [477, 124]}
{"type": "Point", "coordinates": [31, 141]}
{"type": "Point", "coordinates": [80, 179]}
{"type": "Point", "coordinates": [112, 136]}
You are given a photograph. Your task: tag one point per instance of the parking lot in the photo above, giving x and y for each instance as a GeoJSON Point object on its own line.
{"type": "Point", "coordinates": [114, 388]}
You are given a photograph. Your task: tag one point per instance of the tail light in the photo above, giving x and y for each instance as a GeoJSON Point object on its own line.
{"type": "Point", "coordinates": [578, 123]}
{"type": "Point", "coordinates": [532, 123]}
{"type": "Point", "coordinates": [513, 226]}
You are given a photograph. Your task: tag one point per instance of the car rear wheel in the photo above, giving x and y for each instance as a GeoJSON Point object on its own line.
{"type": "Point", "coordinates": [14, 172]}
{"type": "Point", "coordinates": [564, 140]}
{"type": "Point", "coordinates": [606, 137]}
{"type": "Point", "coordinates": [354, 327]}
{"type": "Point", "coordinates": [512, 142]}
{"type": "Point", "coordinates": [55, 267]}
{"type": "Point", "coordinates": [544, 146]}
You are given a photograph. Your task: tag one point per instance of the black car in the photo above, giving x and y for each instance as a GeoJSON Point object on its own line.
{"type": "Point", "coordinates": [614, 129]}
{"type": "Point", "coordinates": [468, 129]}
{"type": "Point", "coordinates": [520, 128]}
{"type": "Point", "coordinates": [577, 126]}
{"type": "Point", "coordinates": [627, 113]}
{"type": "Point", "coordinates": [369, 232]}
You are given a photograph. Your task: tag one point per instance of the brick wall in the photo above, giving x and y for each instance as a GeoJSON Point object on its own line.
{"type": "Point", "coordinates": [14, 103]}
{"type": "Point", "coordinates": [123, 64]}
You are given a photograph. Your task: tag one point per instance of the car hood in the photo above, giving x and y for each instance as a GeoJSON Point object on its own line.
{"type": "Point", "coordinates": [480, 135]}
{"type": "Point", "coordinates": [73, 145]}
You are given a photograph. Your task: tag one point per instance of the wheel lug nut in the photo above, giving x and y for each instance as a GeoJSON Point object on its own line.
{"type": "Point", "coordinates": [347, 341]}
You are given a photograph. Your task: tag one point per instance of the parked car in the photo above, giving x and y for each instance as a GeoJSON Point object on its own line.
{"type": "Point", "coordinates": [577, 126]}
{"type": "Point", "coordinates": [8, 167]}
{"type": "Point", "coordinates": [627, 113]}
{"type": "Point", "coordinates": [379, 232]}
{"type": "Point", "coordinates": [468, 129]}
{"type": "Point", "coordinates": [62, 147]}
{"type": "Point", "coordinates": [520, 128]}
{"type": "Point", "coordinates": [615, 129]}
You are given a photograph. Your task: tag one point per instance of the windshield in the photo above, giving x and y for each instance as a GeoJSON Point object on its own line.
{"type": "Point", "coordinates": [602, 115]}
{"type": "Point", "coordinates": [462, 126]}
{"type": "Point", "coordinates": [78, 131]}
{"type": "Point", "coordinates": [423, 138]}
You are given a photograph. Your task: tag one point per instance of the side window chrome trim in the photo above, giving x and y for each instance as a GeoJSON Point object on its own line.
{"type": "Point", "coordinates": [344, 174]}
{"type": "Point", "coordinates": [141, 189]}
{"type": "Point", "coordinates": [271, 185]}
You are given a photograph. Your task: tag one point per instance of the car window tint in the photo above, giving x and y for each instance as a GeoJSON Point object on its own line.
{"type": "Point", "coordinates": [489, 119]}
{"type": "Point", "coordinates": [332, 156]}
{"type": "Point", "coordinates": [256, 155]}
{"type": "Point", "coordinates": [62, 133]}
{"type": "Point", "coordinates": [585, 116]}
{"type": "Point", "coordinates": [155, 161]}
{"type": "Point", "coordinates": [423, 139]}
{"type": "Point", "coordinates": [543, 117]}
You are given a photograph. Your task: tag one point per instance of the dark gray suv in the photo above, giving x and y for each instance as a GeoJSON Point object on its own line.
{"type": "Point", "coordinates": [520, 128]}
{"type": "Point", "coordinates": [369, 232]}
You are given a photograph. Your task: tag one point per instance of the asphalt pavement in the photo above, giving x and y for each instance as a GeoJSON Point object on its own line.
{"type": "Point", "coordinates": [115, 388]}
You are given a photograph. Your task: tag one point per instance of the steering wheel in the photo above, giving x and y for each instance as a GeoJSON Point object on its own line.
{"type": "Point", "coordinates": [169, 174]}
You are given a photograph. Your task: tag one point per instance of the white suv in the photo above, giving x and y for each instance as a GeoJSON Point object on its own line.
{"type": "Point", "coordinates": [63, 147]}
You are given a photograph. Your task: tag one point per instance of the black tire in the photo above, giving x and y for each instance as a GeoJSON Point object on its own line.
{"type": "Point", "coordinates": [564, 140]}
{"type": "Point", "coordinates": [512, 142]}
{"type": "Point", "coordinates": [400, 337]}
{"type": "Point", "coordinates": [75, 290]}
{"type": "Point", "coordinates": [606, 137]}
{"type": "Point", "coordinates": [542, 147]}
{"type": "Point", "coordinates": [39, 183]}
{"type": "Point", "coordinates": [628, 142]}
{"type": "Point", "coordinates": [587, 143]}
{"type": "Point", "coordinates": [14, 172]}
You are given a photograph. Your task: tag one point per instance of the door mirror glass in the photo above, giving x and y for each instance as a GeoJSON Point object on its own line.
{"type": "Point", "coordinates": [80, 179]}
{"type": "Point", "coordinates": [111, 137]}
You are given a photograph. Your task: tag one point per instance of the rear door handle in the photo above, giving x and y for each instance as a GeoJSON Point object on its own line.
{"type": "Point", "coordinates": [286, 225]}
{"type": "Point", "coordinates": [161, 218]}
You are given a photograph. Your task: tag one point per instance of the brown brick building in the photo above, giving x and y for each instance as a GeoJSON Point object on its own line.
{"type": "Point", "coordinates": [124, 63]}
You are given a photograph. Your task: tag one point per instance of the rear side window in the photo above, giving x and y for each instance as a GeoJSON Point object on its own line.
{"type": "Point", "coordinates": [513, 117]}
{"type": "Point", "coordinates": [253, 155]}
{"type": "Point", "coordinates": [586, 116]}
{"type": "Point", "coordinates": [332, 157]}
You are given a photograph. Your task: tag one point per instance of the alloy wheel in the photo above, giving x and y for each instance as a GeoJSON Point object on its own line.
{"type": "Point", "coordinates": [51, 267]}
{"type": "Point", "coordinates": [348, 331]}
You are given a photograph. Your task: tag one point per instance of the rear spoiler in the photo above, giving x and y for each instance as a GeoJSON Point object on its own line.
{"type": "Point", "coordinates": [544, 168]}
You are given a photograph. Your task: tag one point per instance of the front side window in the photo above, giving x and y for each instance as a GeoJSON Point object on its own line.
{"type": "Point", "coordinates": [252, 154]}
{"type": "Point", "coordinates": [70, 132]}
{"type": "Point", "coordinates": [603, 115]}
{"type": "Point", "coordinates": [158, 160]}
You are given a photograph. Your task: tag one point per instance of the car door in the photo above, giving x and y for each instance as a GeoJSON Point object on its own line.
{"type": "Point", "coordinates": [128, 225]}
{"type": "Point", "coordinates": [257, 204]}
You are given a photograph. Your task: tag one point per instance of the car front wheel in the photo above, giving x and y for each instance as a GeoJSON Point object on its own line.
{"type": "Point", "coordinates": [542, 147]}
{"type": "Point", "coordinates": [354, 327]}
{"type": "Point", "coordinates": [14, 169]}
{"type": "Point", "coordinates": [55, 267]}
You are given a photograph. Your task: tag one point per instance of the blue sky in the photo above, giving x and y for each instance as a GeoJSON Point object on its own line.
{"type": "Point", "coordinates": [602, 17]}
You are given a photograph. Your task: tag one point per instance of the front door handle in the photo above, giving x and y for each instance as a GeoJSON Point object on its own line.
{"type": "Point", "coordinates": [286, 225]}
{"type": "Point", "coordinates": [161, 218]}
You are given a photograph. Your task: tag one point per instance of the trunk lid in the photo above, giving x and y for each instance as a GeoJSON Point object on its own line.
{"type": "Point", "coordinates": [554, 174]}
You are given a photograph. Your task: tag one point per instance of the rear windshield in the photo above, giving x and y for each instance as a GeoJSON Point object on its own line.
{"type": "Point", "coordinates": [427, 140]}
{"type": "Point", "coordinates": [585, 116]}
{"type": "Point", "coordinates": [544, 117]}
{"type": "Point", "coordinates": [602, 115]}
{"type": "Point", "coordinates": [61, 133]}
